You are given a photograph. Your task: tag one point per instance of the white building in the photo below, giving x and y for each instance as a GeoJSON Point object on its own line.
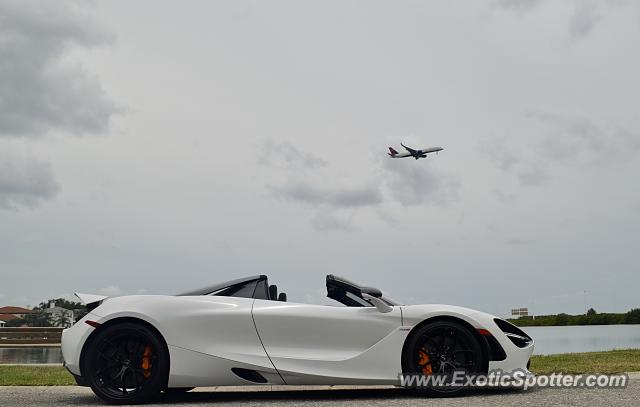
{"type": "Point", "coordinates": [59, 316]}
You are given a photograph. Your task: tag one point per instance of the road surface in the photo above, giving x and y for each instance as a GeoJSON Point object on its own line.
{"type": "Point", "coordinates": [28, 396]}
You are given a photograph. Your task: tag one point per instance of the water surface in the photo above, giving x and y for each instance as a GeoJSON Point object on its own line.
{"type": "Point", "coordinates": [590, 338]}
{"type": "Point", "coordinates": [31, 355]}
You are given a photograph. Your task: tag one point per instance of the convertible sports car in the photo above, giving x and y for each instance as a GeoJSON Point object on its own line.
{"type": "Point", "coordinates": [130, 349]}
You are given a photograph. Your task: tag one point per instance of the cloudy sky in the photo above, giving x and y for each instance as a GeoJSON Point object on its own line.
{"type": "Point", "coordinates": [154, 147]}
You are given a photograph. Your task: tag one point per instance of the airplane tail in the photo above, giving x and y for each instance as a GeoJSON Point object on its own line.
{"type": "Point", "coordinates": [392, 152]}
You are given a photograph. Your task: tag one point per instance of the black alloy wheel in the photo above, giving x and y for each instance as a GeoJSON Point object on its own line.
{"type": "Point", "coordinates": [126, 363]}
{"type": "Point", "coordinates": [443, 349]}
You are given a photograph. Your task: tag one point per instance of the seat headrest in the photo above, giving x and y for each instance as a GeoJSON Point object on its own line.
{"type": "Point", "coordinates": [273, 292]}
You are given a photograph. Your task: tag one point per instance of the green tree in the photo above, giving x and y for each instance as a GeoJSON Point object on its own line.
{"type": "Point", "coordinates": [63, 320]}
{"type": "Point", "coordinates": [60, 302]}
{"type": "Point", "coordinates": [78, 308]}
{"type": "Point", "coordinates": [562, 319]}
{"type": "Point", "coordinates": [38, 319]}
{"type": "Point", "coordinates": [591, 312]}
{"type": "Point", "coordinates": [15, 323]}
{"type": "Point", "coordinates": [632, 317]}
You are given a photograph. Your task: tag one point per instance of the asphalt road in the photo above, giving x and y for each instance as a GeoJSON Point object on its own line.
{"type": "Point", "coordinates": [79, 396]}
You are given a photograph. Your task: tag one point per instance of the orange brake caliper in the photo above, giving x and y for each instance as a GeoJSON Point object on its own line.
{"type": "Point", "coordinates": [424, 361]}
{"type": "Point", "coordinates": [146, 362]}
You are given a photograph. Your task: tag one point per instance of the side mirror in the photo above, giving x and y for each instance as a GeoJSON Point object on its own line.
{"type": "Point", "coordinates": [380, 305]}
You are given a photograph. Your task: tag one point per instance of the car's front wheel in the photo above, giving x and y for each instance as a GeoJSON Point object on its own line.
{"type": "Point", "coordinates": [439, 356]}
{"type": "Point", "coordinates": [126, 363]}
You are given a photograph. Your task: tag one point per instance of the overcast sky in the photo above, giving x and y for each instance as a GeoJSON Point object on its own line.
{"type": "Point", "coordinates": [154, 147]}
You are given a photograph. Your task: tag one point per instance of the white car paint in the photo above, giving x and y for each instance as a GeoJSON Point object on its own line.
{"type": "Point", "coordinates": [288, 343]}
{"type": "Point", "coordinates": [316, 344]}
{"type": "Point", "coordinates": [517, 358]}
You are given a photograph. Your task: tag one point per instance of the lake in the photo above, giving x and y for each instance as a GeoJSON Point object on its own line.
{"type": "Point", "coordinates": [590, 338]}
{"type": "Point", "coordinates": [549, 340]}
{"type": "Point", "coordinates": [30, 355]}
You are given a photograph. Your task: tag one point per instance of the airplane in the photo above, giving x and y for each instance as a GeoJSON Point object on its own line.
{"type": "Point", "coordinates": [413, 153]}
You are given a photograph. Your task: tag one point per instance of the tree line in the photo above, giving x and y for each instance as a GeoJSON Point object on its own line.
{"type": "Point", "coordinates": [40, 318]}
{"type": "Point", "coordinates": [590, 318]}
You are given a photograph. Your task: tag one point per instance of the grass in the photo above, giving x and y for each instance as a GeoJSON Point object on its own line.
{"type": "Point", "coordinates": [35, 376]}
{"type": "Point", "coordinates": [615, 361]}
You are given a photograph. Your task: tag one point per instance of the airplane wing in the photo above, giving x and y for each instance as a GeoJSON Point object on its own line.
{"type": "Point", "coordinates": [411, 150]}
{"type": "Point", "coordinates": [431, 150]}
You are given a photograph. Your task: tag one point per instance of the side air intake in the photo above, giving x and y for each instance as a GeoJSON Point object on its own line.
{"type": "Point", "coordinates": [250, 375]}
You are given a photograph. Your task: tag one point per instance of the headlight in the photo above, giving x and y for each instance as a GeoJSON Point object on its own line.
{"type": "Point", "coordinates": [515, 334]}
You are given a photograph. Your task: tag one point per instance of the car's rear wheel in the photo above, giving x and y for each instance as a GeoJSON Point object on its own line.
{"type": "Point", "coordinates": [126, 363]}
{"type": "Point", "coordinates": [442, 350]}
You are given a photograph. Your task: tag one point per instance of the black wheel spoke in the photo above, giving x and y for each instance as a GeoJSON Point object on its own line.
{"type": "Point", "coordinates": [449, 339]}
{"type": "Point", "coordinates": [111, 381]}
{"type": "Point", "coordinates": [105, 368]}
{"type": "Point", "coordinates": [450, 348]}
{"type": "Point", "coordinates": [123, 364]}
{"type": "Point", "coordinates": [108, 358]}
{"type": "Point", "coordinates": [433, 347]}
{"type": "Point", "coordinates": [122, 381]}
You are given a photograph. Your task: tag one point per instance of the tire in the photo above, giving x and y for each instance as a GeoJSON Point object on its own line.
{"type": "Point", "coordinates": [126, 363]}
{"type": "Point", "coordinates": [442, 348]}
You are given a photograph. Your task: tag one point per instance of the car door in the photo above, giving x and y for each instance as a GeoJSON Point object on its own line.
{"type": "Point", "coordinates": [319, 344]}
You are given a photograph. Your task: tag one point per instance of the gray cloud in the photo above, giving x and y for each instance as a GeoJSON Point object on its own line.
{"type": "Point", "coordinates": [504, 197]}
{"type": "Point", "coordinates": [566, 138]}
{"type": "Point", "coordinates": [499, 150]}
{"type": "Point", "coordinates": [519, 242]}
{"type": "Point", "coordinates": [517, 6]}
{"type": "Point", "coordinates": [39, 90]}
{"type": "Point", "coordinates": [359, 81]}
{"type": "Point", "coordinates": [585, 17]}
{"type": "Point", "coordinates": [286, 155]}
{"type": "Point", "coordinates": [25, 182]}
{"type": "Point", "coordinates": [111, 291]}
{"type": "Point", "coordinates": [534, 176]}
{"type": "Point", "coordinates": [333, 207]}
{"type": "Point", "coordinates": [412, 183]}
{"type": "Point", "coordinates": [330, 202]}
{"type": "Point", "coordinates": [574, 136]}
{"type": "Point", "coordinates": [327, 221]}
{"type": "Point", "coordinates": [337, 197]}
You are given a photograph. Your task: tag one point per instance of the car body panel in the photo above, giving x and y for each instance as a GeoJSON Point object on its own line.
{"type": "Point", "coordinates": [286, 343]}
{"type": "Point", "coordinates": [218, 328]}
{"type": "Point", "coordinates": [517, 358]}
{"type": "Point", "coordinates": [73, 340]}
{"type": "Point", "coordinates": [335, 345]}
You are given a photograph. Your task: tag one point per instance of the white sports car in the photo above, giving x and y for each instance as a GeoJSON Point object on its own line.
{"type": "Point", "coordinates": [130, 349]}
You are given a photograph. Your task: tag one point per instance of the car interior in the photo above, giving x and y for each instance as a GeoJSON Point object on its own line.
{"type": "Point", "coordinates": [338, 288]}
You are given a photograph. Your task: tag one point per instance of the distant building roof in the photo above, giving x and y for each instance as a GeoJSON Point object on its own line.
{"type": "Point", "coordinates": [15, 310]}
{"type": "Point", "coordinates": [7, 317]}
